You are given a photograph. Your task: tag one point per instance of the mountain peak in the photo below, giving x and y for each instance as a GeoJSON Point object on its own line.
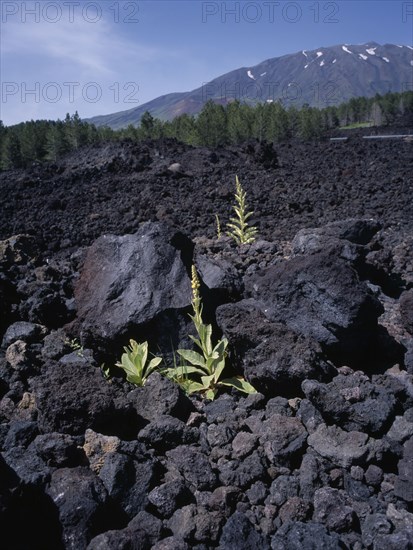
{"type": "Point", "coordinates": [328, 75]}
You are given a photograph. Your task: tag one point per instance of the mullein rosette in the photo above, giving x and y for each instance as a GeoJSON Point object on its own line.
{"type": "Point", "coordinates": [201, 370]}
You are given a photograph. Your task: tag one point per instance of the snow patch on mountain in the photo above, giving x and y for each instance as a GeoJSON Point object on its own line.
{"type": "Point", "coordinates": [363, 56]}
{"type": "Point", "coordinates": [334, 60]}
{"type": "Point", "coordinates": [303, 52]}
{"type": "Point", "coordinates": [346, 49]}
{"type": "Point", "coordinates": [371, 51]}
{"type": "Point", "coordinates": [386, 59]}
{"type": "Point", "coordinates": [319, 54]}
{"type": "Point", "coordinates": [249, 73]}
{"type": "Point", "coordinates": [322, 63]}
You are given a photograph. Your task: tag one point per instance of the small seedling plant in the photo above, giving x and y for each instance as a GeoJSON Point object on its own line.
{"type": "Point", "coordinates": [239, 229]}
{"type": "Point", "coordinates": [201, 370]}
{"type": "Point", "coordinates": [218, 224]}
{"type": "Point", "coordinates": [74, 345]}
{"type": "Point", "coordinates": [135, 363]}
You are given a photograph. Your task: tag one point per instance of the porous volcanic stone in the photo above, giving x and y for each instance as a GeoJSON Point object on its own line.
{"type": "Point", "coordinates": [169, 496]}
{"type": "Point", "coordinates": [239, 534]}
{"type": "Point", "coordinates": [130, 280]}
{"type": "Point", "coordinates": [403, 487]}
{"type": "Point", "coordinates": [406, 310]}
{"type": "Point", "coordinates": [159, 397]}
{"type": "Point", "coordinates": [128, 480]}
{"type": "Point", "coordinates": [342, 448]}
{"type": "Point", "coordinates": [167, 432]}
{"type": "Point", "coordinates": [23, 330]}
{"type": "Point", "coordinates": [73, 397]}
{"type": "Point", "coordinates": [320, 296]}
{"type": "Point", "coordinates": [299, 535]}
{"type": "Point", "coordinates": [275, 359]}
{"type": "Point", "coordinates": [193, 466]}
{"type": "Point", "coordinates": [84, 506]}
{"type": "Point", "coordinates": [331, 508]}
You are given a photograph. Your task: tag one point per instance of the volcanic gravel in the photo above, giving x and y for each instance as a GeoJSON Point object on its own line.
{"type": "Point", "coordinates": [115, 187]}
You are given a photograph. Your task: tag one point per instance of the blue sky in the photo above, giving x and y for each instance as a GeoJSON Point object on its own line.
{"type": "Point", "coordinates": [103, 56]}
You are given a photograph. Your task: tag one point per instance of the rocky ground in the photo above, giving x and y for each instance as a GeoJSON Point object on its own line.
{"type": "Point", "coordinates": [97, 249]}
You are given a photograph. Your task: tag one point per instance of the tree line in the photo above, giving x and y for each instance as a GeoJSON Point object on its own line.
{"type": "Point", "coordinates": [216, 125]}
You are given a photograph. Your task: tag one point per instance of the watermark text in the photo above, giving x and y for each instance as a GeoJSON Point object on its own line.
{"type": "Point", "coordinates": [54, 12]}
{"type": "Point", "coordinates": [270, 12]}
{"type": "Point", "coordinates": [407, 12]}
{"type": "Point", "coordinates": [53, 92]}
{"type": "Point", "coordinates": [323, 94]}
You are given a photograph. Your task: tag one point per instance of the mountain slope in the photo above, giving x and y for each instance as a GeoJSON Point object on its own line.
{"type": "Point", "coordinates": [322, 77]}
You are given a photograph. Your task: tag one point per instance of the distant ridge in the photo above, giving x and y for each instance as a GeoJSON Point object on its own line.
{"type": "Point", "coordinates": [322, 77]}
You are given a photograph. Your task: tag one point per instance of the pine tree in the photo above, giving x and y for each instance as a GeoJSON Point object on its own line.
{"type": "Point", "coordinates": [147, 124]}
{"type": "Point", "coordinates": [211, 125]}
{"type": "Point", "coordinates": [58, 143]}
{"type": "Point", "coordinates": [14, 153]}
{"type": "Point", "coordinates": [182, 128]}
{"type": "Point", "coordinates": [240, 122]}
{"type": "Point", "coordinates": [4, 160]}
{"type": "Point", "coordinates": [277, 122]}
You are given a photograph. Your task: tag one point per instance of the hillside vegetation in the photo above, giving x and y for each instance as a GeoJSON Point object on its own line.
{"type": "Point", "coordinates": [215, 126]}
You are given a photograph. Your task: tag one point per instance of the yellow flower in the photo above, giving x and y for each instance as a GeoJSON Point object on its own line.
{"type": "Point", "coordinates": [195, 282]}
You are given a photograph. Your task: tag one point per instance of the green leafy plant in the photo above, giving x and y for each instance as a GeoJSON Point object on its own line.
{"type": "Point", "coordinates": [218, 222]}
{"type": "Point", "coordinates": [75, 345]}
{"type": "Point", "coordinates": [134, 363]}
{"type": "Point", "coordinates": [239, 229]}
{"type": "Point", "coordinates": [201, 370]}
{"type": "Point", "coordinates": [105, 371]}
{"type": "Point", "coordinates": [179, 374]}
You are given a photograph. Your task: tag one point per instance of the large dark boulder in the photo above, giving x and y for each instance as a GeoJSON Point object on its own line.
{"type": "Point", "coordinates": [75, 396]}
{"type": "Point", "coordinates": [128, 480]}
{"type": "Point", "coordinates": [275, 359]}
{"type": "Point", "coordinates": [338, 234]}
{"type": "Point", "coordinates": [320, 296]}
{"type": "Point", "coordinates": [353, 402]}
{"type": "Point", "coordinates": [132, 280]}
{"type": "Point", "coordinates": [84, 506]}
